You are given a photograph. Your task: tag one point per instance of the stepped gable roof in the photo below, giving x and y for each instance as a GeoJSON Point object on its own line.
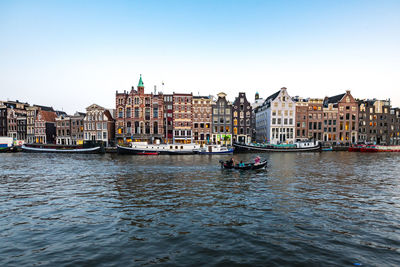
{"type": "Point", "coordinates": [335, 99]}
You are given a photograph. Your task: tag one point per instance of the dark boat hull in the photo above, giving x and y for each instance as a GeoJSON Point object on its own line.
{"type": "Point", "coordinates": [246, 167]}
{"type": "Point", "coordinates": [248, 148]}
{"type": "Point", "coordinates": [133, 151]}
{"type": "Point", "coordinates": [93, 150]}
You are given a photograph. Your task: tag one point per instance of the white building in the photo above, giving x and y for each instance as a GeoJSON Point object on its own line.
{"type": "Point", "coordinates": [99, 125]}
{"type": "Point", "coordinates": [275, 119]}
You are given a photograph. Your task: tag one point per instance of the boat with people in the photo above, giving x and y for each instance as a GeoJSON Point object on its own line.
{"type": "Point", "coordinates": [232, 164]}
{"type": "Point", "coordinates": [300, 146]}
{"type": "Point", "coordinates": [52, 148]}
{"type": "Point", "coordinates": [216, 149]}
{"type": "Point", "coordinates": [138, 148]}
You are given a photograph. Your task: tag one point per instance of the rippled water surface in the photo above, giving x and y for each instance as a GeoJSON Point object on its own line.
{"type": "Point", "coordinates": [318, 209]}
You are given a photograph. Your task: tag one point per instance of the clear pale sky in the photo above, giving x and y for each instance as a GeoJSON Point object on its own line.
{"type": "Point", "coordinates": [70, 54]}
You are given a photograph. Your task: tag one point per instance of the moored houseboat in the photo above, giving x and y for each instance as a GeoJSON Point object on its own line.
{"type": "Point", "coordinates": [6, 144]}
{"type": "Point", "coordinates": [138, 148]}
{"type": "Point", "coordinates": [216, 149]}
{"type": "Point", "coordinates": [379, 148]}
{"type": "Point", "coordinates": [302, 146]}
{"type": "Point", "coordinates": [356, 148]}
{"type": "Point", "coordinates": [52, 148]}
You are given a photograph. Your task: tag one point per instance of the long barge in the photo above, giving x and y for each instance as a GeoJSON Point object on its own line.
{"type": "Point", "coordinates": [296, 147]}
{"type": "Point", "coordinates": [39, 148]}
{"type": "Point", "coordinates": [142, 148]}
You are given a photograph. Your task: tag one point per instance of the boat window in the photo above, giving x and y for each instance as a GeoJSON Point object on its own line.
{"type": "Point", "coordinates": [176, 147]}
{"type": "Point", "coordinates": [170, 147]}
{"type": "Point", "coordinates": [181, 147]}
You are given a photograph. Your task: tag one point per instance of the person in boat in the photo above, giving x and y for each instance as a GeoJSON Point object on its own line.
{"type": "Point", "coordinates": [230, 162]}
{"type": "Point", "coordinates": [241, 164]}
{"type": "Point", "coordinates": [257, 160]}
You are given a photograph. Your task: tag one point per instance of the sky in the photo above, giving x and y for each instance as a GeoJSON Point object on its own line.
{"type": "Point", "coordinates": [71, 54]}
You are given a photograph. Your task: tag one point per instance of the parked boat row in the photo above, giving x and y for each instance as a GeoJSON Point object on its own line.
{"type": "Point", "coordinates": [142, 148]}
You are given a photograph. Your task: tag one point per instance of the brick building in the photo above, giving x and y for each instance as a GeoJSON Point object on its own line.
{"type": "Point", "coordinates": [77, 130]}
{"type": "Point", "coordinates": [63, 130]}
{"type": "Point", "coordinates": [202, 119]}
{"type": "Point", "coordinates": [31, 116]}
{"type": "Point", "coordinates": [139, 116]}
{"type": "Point", "coordinates": [347, 130]}
{"type": "Point", "coordinates": [168, 118]}
{"type": "Point", "coordinates": [301, 118]}
{"type": "Point", "coordinates": [13, 119]}
{"type": "Point", "coordinates": [331, 119]}
{"type": "Point", "coordinates": [182, 118]}
{"type": "Point", "coordinates": [242, 118]}
{"type": "Point", "coordinates": [222, 120]}
{"type": "Point", "coordinates": [377, 122]}
{"type": "Point", "coordinates": [315, 119]}
{"type": "Point", "coordinates": [45, 127]}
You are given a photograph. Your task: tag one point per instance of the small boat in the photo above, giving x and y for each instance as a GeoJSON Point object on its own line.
{"type": "Point", "coordinates": [216, 149]}
{"type": "Point", "coordinates": [66, 150]}
{"type": "Point", "coordinates": [326, 149]}
{"type": "Point", "coordinates": [246, 166]}
{"type": "Point", "coordinates": [303, 146]}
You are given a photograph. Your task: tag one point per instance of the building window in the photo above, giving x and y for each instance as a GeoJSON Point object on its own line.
{"type": "Point", "coordinates": [155, 112]}
{"type": "Point", "coordinates": [120, 113]}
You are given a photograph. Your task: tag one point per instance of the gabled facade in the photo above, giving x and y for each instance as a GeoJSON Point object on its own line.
{"type": "Point", "coordinates": [377, 122]}
{"type": "Point", "coordinates": [45, 127]}
{"type": "Point", "coordinates": [13, 119]}
{"type": "Point", "coordinates": [242, 118]}
{"type": "Point", "coordinates": [275, 119]}
{"type": "Point", "coordinates": [202, 118]}
{"type": "Point", "coordinates": [139, 116]}
{"type": "Point", "coordinates": [347, 128]}
{"type": "Point", "coordinates": [182, 118]}
{"type": "Point", "coordinates": [99, 125]}
{"type": "Point", "coordinates": [222, 121]}
{"type": "Point", "coordinates": [168, 117]}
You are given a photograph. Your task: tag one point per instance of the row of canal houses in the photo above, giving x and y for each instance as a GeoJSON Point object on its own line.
{"type": "Point", "coordinates": [182, 118]}
{"type": "Point", "coordinates": [186, 118]}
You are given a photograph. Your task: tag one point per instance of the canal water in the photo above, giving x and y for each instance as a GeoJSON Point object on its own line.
{"type": "Point", "coordinates": [311, 209]}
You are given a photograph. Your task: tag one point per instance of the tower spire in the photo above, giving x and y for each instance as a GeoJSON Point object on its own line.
{"type": "Point", "coordinates": [141, 81]}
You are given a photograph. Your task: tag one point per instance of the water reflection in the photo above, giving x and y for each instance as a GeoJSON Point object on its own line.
{"type": "Point", "coordinates": [305, 209]}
